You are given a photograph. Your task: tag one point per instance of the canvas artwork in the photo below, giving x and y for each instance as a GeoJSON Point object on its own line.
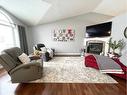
{"type": "Point", "coordinates": [64, 35]}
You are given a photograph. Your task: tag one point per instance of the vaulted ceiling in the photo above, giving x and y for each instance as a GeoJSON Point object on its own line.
{"type": "Point", "coordinates": [34, 12]}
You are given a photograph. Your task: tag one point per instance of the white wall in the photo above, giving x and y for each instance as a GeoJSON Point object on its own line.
{"type": "Point", "coordinates": [118, 26]}
{"type": "Point", "coordinates": [43, 33]}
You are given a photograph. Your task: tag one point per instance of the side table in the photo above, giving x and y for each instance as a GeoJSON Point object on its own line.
{"type": "Point", "coordinates": [34, 57]}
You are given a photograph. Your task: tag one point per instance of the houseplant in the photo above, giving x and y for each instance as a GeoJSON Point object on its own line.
{"type": "Point", "coordinates": [116, 45]}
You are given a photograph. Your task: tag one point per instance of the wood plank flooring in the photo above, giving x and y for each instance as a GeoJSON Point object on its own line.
{"type": "Point", "coordinates": [70, 89]}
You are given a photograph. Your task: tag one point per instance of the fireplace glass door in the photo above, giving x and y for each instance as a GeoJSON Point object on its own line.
{"type": "Point", "coordinates": [95, 48]}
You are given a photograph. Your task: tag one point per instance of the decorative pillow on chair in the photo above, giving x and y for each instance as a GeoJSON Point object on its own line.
{"type": "Point", "coordinates": [24, 58]}
{"type": "Point", "coordinates": [43, 49]}
{"type": "Point", "coordinates": [50, 52]}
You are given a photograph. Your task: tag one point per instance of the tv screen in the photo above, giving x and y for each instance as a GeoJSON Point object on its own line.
{"type": "Point", "coordinates": [99, 30]}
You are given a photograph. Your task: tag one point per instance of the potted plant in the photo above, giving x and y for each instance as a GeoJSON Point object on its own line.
{"type": "Point", "coordinates": [116, 45]}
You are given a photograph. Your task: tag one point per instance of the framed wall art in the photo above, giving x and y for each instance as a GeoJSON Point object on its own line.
{"type": "Point", "coordinates": [64, 35]}
{"type": "Point", "coordinates": [125, 32]}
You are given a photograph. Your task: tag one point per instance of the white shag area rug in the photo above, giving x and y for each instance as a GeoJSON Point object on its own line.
{"type": "Point", "coordinates": [71, 70]}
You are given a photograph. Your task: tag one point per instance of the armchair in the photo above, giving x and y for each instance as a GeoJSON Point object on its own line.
{"type": "Point", "coordinates": [47, 54]}
{"type": "Point", "coordinates": [18, 71]}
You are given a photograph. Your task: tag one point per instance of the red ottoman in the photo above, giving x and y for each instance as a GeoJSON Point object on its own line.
{"type": "Point", "coordinates": [90, 61]}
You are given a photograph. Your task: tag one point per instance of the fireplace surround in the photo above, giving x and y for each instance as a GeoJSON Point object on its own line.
{"type": "Point", "coordinates": [95, 47]}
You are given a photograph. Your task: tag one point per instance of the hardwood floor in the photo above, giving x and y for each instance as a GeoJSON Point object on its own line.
{"type": "Point", "coordinates": [71, 89]}
{"type": "Point", "coordinates": [7, 88]}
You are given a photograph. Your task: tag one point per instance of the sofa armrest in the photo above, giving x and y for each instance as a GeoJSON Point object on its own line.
{"type": "Point", "coordinates": [90, 61]}
{"type": "Point", "coordinates": [26, 66]}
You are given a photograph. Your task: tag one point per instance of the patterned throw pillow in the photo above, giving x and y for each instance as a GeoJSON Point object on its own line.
{"type": "Point", "coordinates": [24, 58]}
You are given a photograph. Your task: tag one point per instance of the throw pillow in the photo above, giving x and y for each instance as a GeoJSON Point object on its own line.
{"type": "Point", "coordinates": [43, 49]}
{"type": "Point", "coordinates": [50, 52]}
{"type": "Point", "coordinates": [24, 58]}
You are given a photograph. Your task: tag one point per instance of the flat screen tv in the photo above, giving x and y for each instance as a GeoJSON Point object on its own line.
{"type": "Point", "coordinates": [99, 30]}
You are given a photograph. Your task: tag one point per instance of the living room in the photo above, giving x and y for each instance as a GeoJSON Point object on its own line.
{"type": "Point", "coordinates": [55, 35]}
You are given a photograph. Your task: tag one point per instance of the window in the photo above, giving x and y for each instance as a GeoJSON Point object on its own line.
{"type": "Point", "coordinates": [8, 33]}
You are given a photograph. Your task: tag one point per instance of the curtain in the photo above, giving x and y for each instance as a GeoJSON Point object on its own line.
{"type": "Point", "coordinates": [23, 39]}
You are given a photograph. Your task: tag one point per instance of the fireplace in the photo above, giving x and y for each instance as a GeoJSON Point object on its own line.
{"type": "Point", "coordinates": [95, 47]}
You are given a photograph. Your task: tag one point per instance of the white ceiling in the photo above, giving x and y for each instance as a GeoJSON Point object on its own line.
{"type": "Point", "coordinates": [112, 7]}
{"type": "Point", "coordinates": [28, 11]}
{"type": "Point", "coordinates": [34, 12]}
{"type": "Point", "coordinates": [62, 9]}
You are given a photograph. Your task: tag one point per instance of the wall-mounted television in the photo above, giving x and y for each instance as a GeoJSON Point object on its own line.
{"type": "Point", "coordinates": [99, 30]}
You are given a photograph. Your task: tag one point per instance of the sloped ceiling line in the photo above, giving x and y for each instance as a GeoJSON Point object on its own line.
{"type": "Point", "coordinates": [36, 12]}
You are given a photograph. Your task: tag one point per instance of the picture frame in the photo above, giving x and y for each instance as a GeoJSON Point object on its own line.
{"type": "Point", "coordinates": [64, 35]}
{"type": "Point", "coordinates": [125, 32]}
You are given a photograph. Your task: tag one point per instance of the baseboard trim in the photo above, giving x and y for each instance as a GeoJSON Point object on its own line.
{"type": "Point", "coordinates": [67, 53]}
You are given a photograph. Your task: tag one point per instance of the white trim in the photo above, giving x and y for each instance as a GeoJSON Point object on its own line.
{"type": "Point", "coordinates": [67, 53]}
